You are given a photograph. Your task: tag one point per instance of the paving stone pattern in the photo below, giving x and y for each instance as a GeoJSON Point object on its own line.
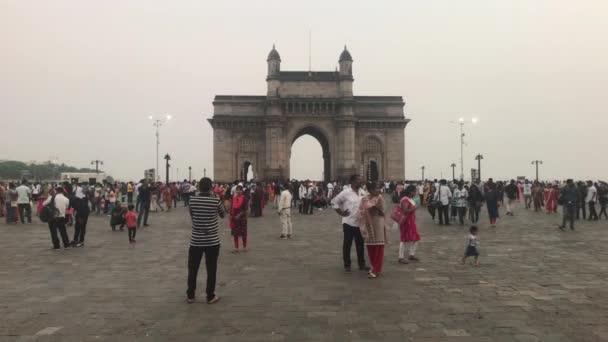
{"type": "Point", "coordinates": [535, 283]}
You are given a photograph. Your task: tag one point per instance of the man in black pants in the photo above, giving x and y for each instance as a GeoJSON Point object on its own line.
{"type": "Point", "coordinates": [61, 203]}
{"type": "Point", "coordinates": [442, 196]}
{"type": "Point", "coordinates": [82, 217]}
{"type": "Point", "coordinates": [569, 199]}
{"type": "Point", "coordinates": [581, 205]}
{"type": "Point", "coordinates": [346, 204]}
{"type": "Point", "coordinates": [204, 210]}
{"type": "Point", "coordinates": [591, 198]}
{"type": "Point", "coordinates": [144, 197]}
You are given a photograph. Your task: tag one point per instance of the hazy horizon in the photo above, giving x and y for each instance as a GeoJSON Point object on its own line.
{"type": "Point", "coordinates": [79, 79]}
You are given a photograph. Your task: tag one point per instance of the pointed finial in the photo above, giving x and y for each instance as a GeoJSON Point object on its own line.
{"type": "Point", "coordinates": [345, 47]}
{"type": "Point", "coordinates": [273, 45]}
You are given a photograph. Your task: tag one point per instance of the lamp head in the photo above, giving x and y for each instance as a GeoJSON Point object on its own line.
{"type": "Point", "coordinates": [168, 117]}
{"type": "Point", "coordinates": [474, 120]}
{"type": "Point", "coordinates": [461, 120]}
{"type": "Point", "coordinates": [150, 117]}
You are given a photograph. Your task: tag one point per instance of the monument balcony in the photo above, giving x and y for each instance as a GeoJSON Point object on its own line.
{"type": "Point", "coordinates": [310, 107]}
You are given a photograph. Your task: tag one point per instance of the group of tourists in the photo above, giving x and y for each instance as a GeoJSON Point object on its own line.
{"type": "Point", "coordinates": [362, 207]}
{"type": "Point", "coordinates": [452, 201]}
{"type": "Point", "coordinates": [125, 203]}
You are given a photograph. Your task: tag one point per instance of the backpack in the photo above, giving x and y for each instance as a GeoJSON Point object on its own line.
{"type": "Point", "coordinates": [49, 212]}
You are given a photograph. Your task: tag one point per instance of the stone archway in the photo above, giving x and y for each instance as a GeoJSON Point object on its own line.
{"type": "Point", "coordinates": [261, 129]}
{"type": "Point", "coordinates": [316, 133]}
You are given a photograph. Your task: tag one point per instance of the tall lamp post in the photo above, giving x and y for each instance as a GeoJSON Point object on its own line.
{"type": "Point", "coordinates": [479, 157]}
{"type": "Point", "coordinates": [537, 162]}
{"type": "Point", "coordinates": [422, 168]}
{"type": "Point", "coordinates": [463, 122]}
{"type": "Point", "coordinates": [190, 173]}
{"type": "Point", "coordinates": [97, 163]}
{"type": "Point", "coordinates": [453, 171]}
{"type": "Point", "coordinates": [157, 124]}
{"type": "Point", "coordinates": [167, 158]}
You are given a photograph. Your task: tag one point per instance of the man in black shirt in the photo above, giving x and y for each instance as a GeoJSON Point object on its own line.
{"type": "Point", "coordinates": [511, 191]}
{"type": "Point", "coordinates": [569, 198]}
{"type": "Point", "coordinates": [143, 197]}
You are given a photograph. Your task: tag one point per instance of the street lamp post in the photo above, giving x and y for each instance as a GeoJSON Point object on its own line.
{"type": "Point", "coordinates": [190, 173]}
{"type": "Point", "coordinates": [204, 172]}
{"type": "Point", "coordinates": [537, 162]}
{"type": "Point", "coordinates": [479, 157]}
{"type": "Point", "coordinates": [453, 171]}
{"type": "Point", "coordinates": [97, 163]}
{"type": "Point", "coordinates": [157, 124]}
{"type": "Point", "coordinates": [422, 168]}
{"type": "Point", "coordinates": [167, 158]}
{"type": "Point", "coordinates": [462, 122]}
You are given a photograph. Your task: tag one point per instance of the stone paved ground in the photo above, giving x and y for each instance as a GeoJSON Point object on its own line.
{"type": "Point", "coordinates": [535, 284]}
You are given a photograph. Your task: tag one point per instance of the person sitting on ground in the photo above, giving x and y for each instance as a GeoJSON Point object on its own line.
{"type": "Point", "coordinates": [117, 218]}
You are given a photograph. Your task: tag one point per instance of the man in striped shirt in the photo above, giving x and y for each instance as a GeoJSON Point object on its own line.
{"type": "Point", "coordinates": [204, 211]}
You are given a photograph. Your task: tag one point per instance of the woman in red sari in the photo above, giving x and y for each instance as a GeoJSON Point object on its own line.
{"type": "Point", "coordinates": [168, 196]}
{"type": "Point", "coordinates": [551, 195]}
{"type": "Point", "coordinates": [238, 219]}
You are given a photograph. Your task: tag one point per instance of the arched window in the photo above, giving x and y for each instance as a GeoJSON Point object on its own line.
{"type": "Point", "coordinates": [247, 144]}
{"type": "Point", "coordinates": [372, 145]}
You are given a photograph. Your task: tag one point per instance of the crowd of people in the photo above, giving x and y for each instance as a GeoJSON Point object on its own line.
{"type": "Point", "coordinates": [362, 207]}
{"type": "Point", "coordinates": [451, 201]}
{"type": "Point", "coordinates": [125, 203]}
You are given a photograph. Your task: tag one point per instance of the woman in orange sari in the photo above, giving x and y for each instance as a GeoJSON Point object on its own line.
{"type": "Point", "coordinates": [238, 219]}
{"type": "Point", "coordinates": [168, 196]}
{"type": "Point", "coordinates": [270, 192]}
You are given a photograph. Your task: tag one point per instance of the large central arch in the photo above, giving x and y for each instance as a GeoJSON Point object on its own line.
{"type": "Point", "coordinates": [362, 135]}
{"type": "Point", "coordinates": [316, 133]}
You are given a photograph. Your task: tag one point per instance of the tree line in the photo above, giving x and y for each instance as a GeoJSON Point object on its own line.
{"type": "Point", "coordinates": [12, 169]}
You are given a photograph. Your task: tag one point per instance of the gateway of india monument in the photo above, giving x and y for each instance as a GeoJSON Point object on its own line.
{"type": "Point", "coordinates": [358, 134]}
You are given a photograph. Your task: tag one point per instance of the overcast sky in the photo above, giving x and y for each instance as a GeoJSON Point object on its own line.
{"type": "Point", "coordinates": [78, 79]}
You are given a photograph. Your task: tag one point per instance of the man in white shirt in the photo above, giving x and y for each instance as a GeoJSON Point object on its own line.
{"type": "Point", "coordinates": [590, 200]}
{"type": "Point", "coordinates": [461, 194]}
{"type": "Point", "coordinates": [284, 211]}
{"type": "Point", "coordinates": [24, 198]}
{"type": "Point", "coordinates": [443, 195]}
{"type": "Point", "coordinates": [527, 190]}
{"type": "Point", "coordinates": [61, 204]}
{"type": "Point", "coordinates": [302, 193]}
{"type": "Point", "coordinates": [346, 204]}
{"type": "Point", "coordinates": [330, 190]}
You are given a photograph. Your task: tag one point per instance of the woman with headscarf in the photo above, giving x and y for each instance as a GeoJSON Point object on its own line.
{"type": "Point", "coordinates": [238, 219]}
{"type": "Point", "coordinates": [372, 226]}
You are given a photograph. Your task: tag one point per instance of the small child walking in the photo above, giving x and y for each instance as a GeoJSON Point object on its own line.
{"type": "Point", "coordinates": [472, 246]}
{"type": "Point", "coordinates": [131, 219]}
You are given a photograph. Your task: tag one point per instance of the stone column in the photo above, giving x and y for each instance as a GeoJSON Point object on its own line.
{"type": "Point", "coordinates": [346, 161]}
{"type": "Point", "coordinates": [276, 151]}
{"type": "Point", "coordinates": [224, 150]}
{"type": "Point", "coordinates": [395, 153]}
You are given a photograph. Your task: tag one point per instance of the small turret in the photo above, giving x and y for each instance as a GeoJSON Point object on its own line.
{"type": "Point", "coordinates": [346, 64]}
{"type": "Point", "coordinates": [274, 63]}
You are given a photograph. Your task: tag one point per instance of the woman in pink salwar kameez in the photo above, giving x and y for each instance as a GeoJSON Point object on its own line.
{"type": "Point", "coordinates": [408, 229]}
